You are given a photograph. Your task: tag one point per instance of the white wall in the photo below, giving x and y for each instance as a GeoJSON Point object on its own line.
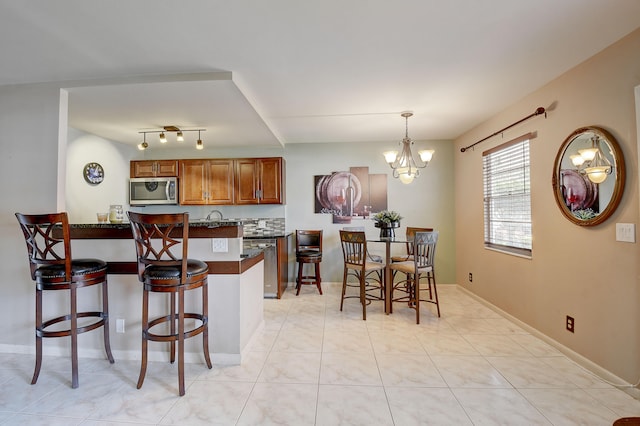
{"type": "Point", "coordinates": [29, 119]}
{"type": "Point", "coordinates": [427, 202]}
{"type": "Point", "coordinates": [83, 200]}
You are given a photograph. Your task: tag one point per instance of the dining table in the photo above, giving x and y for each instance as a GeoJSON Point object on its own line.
{"type": "Point", "coordinates": [388, 276]}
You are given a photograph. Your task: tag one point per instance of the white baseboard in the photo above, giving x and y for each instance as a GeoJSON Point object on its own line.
{"type": "Point", "coordinates": [583, 362]}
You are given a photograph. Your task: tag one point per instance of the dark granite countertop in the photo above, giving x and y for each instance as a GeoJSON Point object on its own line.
{"type": "Point", "coordinates": [199, 229]}
{"type": "Point", "coordinates": [250, 253]}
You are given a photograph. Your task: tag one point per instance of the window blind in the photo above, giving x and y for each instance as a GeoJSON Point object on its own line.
{"type": "Point", "coordinates": [507, 197]}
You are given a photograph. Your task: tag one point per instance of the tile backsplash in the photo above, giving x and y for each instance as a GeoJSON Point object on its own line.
{"type": "Point", "coordinates": [257, 227]}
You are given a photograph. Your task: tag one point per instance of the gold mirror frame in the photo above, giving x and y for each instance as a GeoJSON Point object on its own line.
{"type": "Point", "coordinates": [604, 196]}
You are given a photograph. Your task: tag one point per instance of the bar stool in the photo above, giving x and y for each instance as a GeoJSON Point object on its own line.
{"type": "Point", "coordinates": [52, 268]}
{"type": "Point", "coordinates": [422, 265]}
{"type": "Point", "coordinates": [356, 259]}
{"type": "Point", "coordinates": [308, 250]}
{"type": "Point", "coordinates": [163, 266]}
{"type": "Point", "coordinates": [410, 233]}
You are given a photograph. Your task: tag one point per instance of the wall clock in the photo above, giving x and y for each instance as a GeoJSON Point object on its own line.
{"type": "Point", "coordinates": [93, 173]}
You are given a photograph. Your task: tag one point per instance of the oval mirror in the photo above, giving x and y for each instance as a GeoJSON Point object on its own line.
{"type": "Point", "coordinates": [588, 176]}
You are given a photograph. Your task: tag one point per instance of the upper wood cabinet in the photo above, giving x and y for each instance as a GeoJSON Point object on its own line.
{"type": "Point", "coordinates": [154, 168]}
{"type": "Point", "coordinates": [259, 181]}
{"type": "Point", "coordinates": [206, 182]}
{"type": "Point", "coordinates": [232, 181]}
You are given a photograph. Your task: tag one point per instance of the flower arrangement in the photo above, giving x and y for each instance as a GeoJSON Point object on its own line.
{"type": "Point", "coordinates": [584, 214]}
{"type": "Point", "coordinates": [387, 217]}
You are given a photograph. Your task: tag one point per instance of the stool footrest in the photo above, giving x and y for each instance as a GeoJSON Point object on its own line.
{"type": "Point", "coordinates": [156, 337]}
{"type": "Point", "coordinates": [42, 332]}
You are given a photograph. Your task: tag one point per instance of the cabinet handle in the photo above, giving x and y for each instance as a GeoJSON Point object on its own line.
{"type": "Point", "coordinates": [259, 194]}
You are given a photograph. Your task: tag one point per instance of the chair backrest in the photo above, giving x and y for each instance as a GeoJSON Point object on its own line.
{"type": "Point", "coordinates": [160, 240]}
{"type": "Point", "coordinates": [48, 241]}
{"type": "Point", "coordinates": [354, 247]}
{"type": "Point", "coordinates": [424, 248]}
{"type": "Point", "coordinates": [308, 240]}
{"type": "Point", "coordinates": [410, 233]}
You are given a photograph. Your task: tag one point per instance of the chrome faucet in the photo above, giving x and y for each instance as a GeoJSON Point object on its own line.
{"type": "Point", "coordinates": [214, 211]}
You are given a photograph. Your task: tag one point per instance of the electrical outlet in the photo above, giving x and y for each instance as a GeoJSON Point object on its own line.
{"type": "Point", "coordinates": [219, 245]}
{"type": "Point", "coordinates": [470, 277]}
{"type": "Point", "coordinates": [120, 325]}
{"type": "Point", "coordinates": [570, 324]}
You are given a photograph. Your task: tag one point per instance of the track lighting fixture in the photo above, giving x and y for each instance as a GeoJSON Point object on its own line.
{"type": "Point", "coordinates": [143, 145]}
{"type": "Point", "coordinates": [199, 144]}
{"type": "Point", "coordinates": [170, 129]}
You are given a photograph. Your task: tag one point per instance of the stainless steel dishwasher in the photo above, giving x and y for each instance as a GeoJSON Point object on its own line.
{"type": "Point", "coordinates": [269, 246]}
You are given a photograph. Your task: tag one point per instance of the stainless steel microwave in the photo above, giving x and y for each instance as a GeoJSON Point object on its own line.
{"type": "Point", "coordinates": [147, 191]}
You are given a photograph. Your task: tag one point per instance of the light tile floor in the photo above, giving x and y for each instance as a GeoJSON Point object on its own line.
{"type": "Point", "coordinates": [315, 365]}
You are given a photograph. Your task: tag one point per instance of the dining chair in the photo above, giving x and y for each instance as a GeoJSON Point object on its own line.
{"type": "Point", "coordinates": [409, 233]}
{"type": "Point", "coordinates": [372, 257]}
{"type": "Point", "coordinates": [368, 273]}
{"type": "Point", "coordinates": [53, 268]}
{"type": "Point", "coordinates": [161, 242]}
{"type": "Point", "coordinates": [421, 267]}
{"type": "Point", "coordinates": [308, 251]}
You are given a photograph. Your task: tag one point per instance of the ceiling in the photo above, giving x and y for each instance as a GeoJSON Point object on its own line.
{"type": "Point", "coordinates": [271, 73]}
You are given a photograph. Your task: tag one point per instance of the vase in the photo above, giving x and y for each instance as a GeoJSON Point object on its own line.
{"type": "Point", "coordinates": [387, 230]}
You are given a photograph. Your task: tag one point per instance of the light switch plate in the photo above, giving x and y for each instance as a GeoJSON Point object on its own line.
{"type": "Point", "coordinates": [120, 325]}
{"type": "Point", "coordinates": [626, 232]}
{"type": "Point", "coordinates": [220, 245]}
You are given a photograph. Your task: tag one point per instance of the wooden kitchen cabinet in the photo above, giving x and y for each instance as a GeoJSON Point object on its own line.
{"type": "Point", "coordinates": [259, 181]}
{"type": "Point", "coordinates": [153, 168]}
{"type": "Point", "coordinates": [207, 182]}
{"type": "Point", "coordinates": [229, 181]}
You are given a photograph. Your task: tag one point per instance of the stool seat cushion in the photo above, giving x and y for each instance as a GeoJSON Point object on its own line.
{"type": "Point", "coordinates": [78, 267]}
{"type": "Point", "coordinates": [194, 267]}
{"type": "Point", "coordinates": [308, 253]}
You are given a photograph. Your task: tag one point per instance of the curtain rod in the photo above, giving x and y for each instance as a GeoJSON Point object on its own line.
{"type": "Point", "coordinates": [538, 111]}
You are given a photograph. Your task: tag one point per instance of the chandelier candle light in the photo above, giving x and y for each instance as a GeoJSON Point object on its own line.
{"type": "Point", "coordinates": [592, 162]}
{"type": "Point", "coordinates": [404, 166]}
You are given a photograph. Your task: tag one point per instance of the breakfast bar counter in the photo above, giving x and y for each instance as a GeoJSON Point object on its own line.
{"type": "Point", "coordinates": [197, 230]}
{"type": "Point", "coordinates": [236, 295]}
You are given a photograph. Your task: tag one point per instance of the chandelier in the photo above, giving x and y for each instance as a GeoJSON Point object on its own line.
{"type": "Point", "coordinates": [592, 162]}
{"type": "Point", "coordinates": [404, 166]}
{"type": "Point", "coordinates": [163, 138]}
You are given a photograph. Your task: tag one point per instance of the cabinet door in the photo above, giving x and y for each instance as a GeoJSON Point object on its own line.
{"type": "Point", "coordinates": [247, 181]}
{"type": "Point", "coordinates": [167, 168]}
{"type": "Point", "coordinates": [270, 181]}
{"type": "Point", "coordinates": [142, 169]}
{"type": "Point", "coordinates": [153, 168]}
{"type": "Point", "coordinates": [193, 182]}
{"type": "Point", "coordinates": [221, 182]}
